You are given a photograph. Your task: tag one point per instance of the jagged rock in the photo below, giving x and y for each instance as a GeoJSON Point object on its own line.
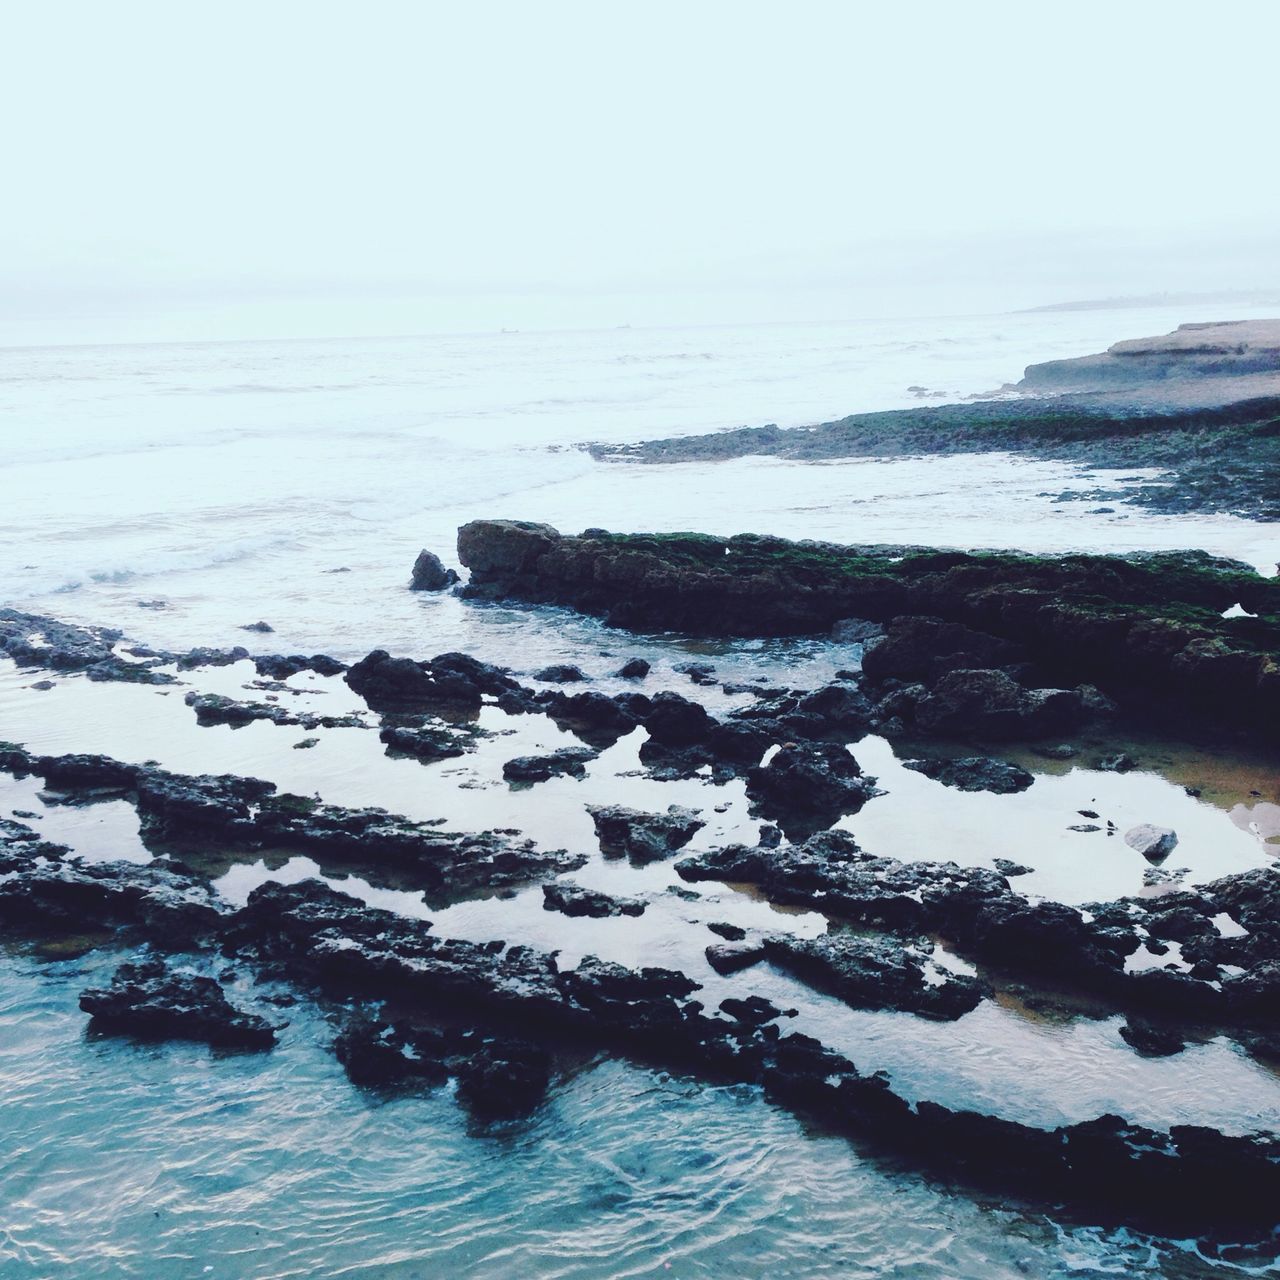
{"type": "Point", "coordinates": [277, 666]}
{"type": "Point", "coordinates": [568, 760]}
{"type": "Point", "coordinates": [916, 648]}
{"type": "Point", "coordinates": [574, 900]}
{"type": "Point", "coordinates": [730, 932]}
{"type": "Point", "coordinates": [633, 669]}
{"type": "Point", "coordinates": [1154, 843]}
{"type": "Point", "coordinates": [427, 742]}
{"type": "Point", "coordinates": [975, 773]}
{"type": "Point", "coordinates": [1007, 867]}
{"type": "Point", "coordinates": [876, 972]}
{"type": "Point", "coordinates": [429, 573]}
{"type": "Point", "coordinates": [643, 837]}
{"type": "Point", "coordinates": [990, 704]}
{"type": "Point", "coordinates": [146, 999]}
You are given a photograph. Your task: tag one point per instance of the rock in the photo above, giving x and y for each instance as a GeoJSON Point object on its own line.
{"type": "Point", "coordinates": [809, 784]}
{"type": "Point", "coordinates": [264, 627]}
{"type": "Point", "coordinates": [975, 773]}
{"type": "Point", "coordinates": [505, 1078]}
{"type": "Point", "coordinates": [1154, 843]}
{"type": "Point", "coordinates": [644, 837]}
{"type": "Point", "coordinates": [1151, 1041]}
{"type": "Point", "coordinates": [568, 760]}
{"type": "Point", "coordinates": [726, 958]}
{"type": "Point", "coordinates": [1120, 762]}
{"type": "Point", "coordinates": [633, 669]}
{"type": "Point", "coordinates": [574, 900]}
{"type": "Point", "coordinates": [1084, 827]}
{"type": "Point", "coordinates": [730, 932]}
{"type": "Point", "coordinates": [925, 648]}
{"type": "Point", "coordinates": [147, 1000]}
{"type": "Point", "coordinates": [674, 721]}
{"type": "Point", "coordinates": [429, 573]}
{"type": "Point", "coordinates": [278, 666]}
{"type": "Point", "coordinates": [698, 672]}
{"type": "Point", "coordinates": [594, 717]}
{"type": "Point", "coordinates": [990, 704]}
{"type": "Point", "coordinates": [1007, 867]}
{"type": "Point", "coordinates": [560, 673]}
{"type": "Point", "coordinates": [453, 682]}
{"type": "Point", "coordinates": [869, 972]}
{"type": "Point", "coordinates": [855, 631]}
{"type": "Point", "coordinates": [427, 743]}
{"type": "Point", "coordinates": [305, 744]}
{"type": "Point", "coordinates": [755, 1011]}
{"type": "Point", "coordinates": [1061, 752]}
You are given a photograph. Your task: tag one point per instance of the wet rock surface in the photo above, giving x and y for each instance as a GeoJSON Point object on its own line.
{"type": "Point", "coordinates": [568, 761]}
{"type": "Point", "coordinates": [643, 837]}
{"type": "Point", "coordinates": [975, 773]}
{"type": "Point", "coordinates": [574, 900]}
{"type": "Point", "coordinates": [429, 573]}
{"type": "Point", "coordinates": [150, 1001]}
{"type": "Point", "coordinates": [1001, 643]}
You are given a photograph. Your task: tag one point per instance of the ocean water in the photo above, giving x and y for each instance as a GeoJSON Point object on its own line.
{"type": "Point", "coordinates": [182, 491]}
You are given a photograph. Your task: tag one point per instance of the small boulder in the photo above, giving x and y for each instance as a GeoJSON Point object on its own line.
{"type": "Point", "coordinates": [429, 573]}
{"type": "Point", "coordinates": [560, 673]}
{"type": "Point", "coordinates": [1154, 843]}
{"type": "Point", "coordinates": [633, 669]}
{"type": "Point", "coordinates": [574, 900]}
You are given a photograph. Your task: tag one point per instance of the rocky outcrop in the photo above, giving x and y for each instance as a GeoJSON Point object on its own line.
{"type": "Point", "coordinates": [804, 787]}
{"type": "Point", "coordinates": [1146, 629]}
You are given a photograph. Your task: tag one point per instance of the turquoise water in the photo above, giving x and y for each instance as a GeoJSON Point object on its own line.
{"type": "Point", "coordinates": [171, 1161]}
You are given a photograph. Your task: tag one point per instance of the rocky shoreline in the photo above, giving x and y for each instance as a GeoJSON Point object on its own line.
{"type": "Point", "coordinates": [953, 647]}
{"type": "Point", "coordinates": [1202, 404]}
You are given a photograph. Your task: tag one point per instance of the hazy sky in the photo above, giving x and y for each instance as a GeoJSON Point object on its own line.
{"type": "Point", "coordinates": [274, 166]}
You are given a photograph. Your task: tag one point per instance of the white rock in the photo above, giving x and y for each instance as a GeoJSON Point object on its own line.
{"type": "Point", "coordinates": [1154, 843]}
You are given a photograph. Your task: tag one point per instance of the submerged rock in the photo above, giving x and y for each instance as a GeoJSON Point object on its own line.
{"type": "Point", "coordinates": [148, 1000]}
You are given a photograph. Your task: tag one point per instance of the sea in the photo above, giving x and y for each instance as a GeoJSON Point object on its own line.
{"type": "Point", "coordinates": [182, 491]}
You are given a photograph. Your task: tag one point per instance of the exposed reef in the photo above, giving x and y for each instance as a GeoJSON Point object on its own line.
{"type": "Point", "coordinates": [986, 643]}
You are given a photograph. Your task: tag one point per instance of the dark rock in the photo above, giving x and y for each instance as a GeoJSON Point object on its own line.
{"type": "Point", "coordinates": [427, 742]}
{"type": "Point", "coordinates": [876, 972]}
{"type": "Point", "coordinates": [698, 672]}
{"type": "Point", "coordinates": [926, 648]}
{"type": "Point", "coordinates": [643, 837]}
{"type": "Point", "coordinates": [975, 773]}
{"type": "Point", "coordinates": [560, 673]}
{"type": "Point", "coordinates": [809, 784]}
{"type": "Point", "coordinates": [990, 704]}
{"type": "Point", "coordinates": [148, 1000]}
{"type": "Point", "coordinates": [674, 721]}
{"type": "Point", "coordinates": [1151, 1041]}
{"type": "Point", "coordinates": [504, 1079]}
{"type": "Point", "coordinates": [1007, 867]}
{"type": "Point", "coordinates": [730, 932]}
{"type": "Point", "coordinates": [264, 627]}
{"type": "Point", "coordinates": [571, 761]}
{"type": "Point", "coordinates": [754, 1010]}
{"type": "Point", "coordinates": [633, 669]}
{"type": "Point", "coordinates": [429, 573]}
{"type": "Point", "coordinates": [726, 958]}
{"type": "Point", "coordinates": [574, 900]}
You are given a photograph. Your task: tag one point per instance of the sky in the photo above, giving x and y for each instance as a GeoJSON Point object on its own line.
{"type": "Point", "coordinates": [275, 168]}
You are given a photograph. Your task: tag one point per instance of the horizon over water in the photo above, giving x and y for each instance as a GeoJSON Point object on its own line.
{"type": "Point", "coordinates": [182, 490]}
